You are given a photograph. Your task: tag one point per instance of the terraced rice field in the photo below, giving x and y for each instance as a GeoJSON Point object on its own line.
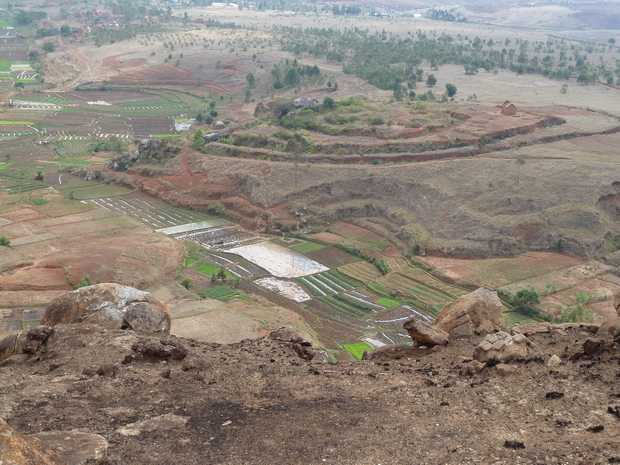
{"type": "Point", "coordinates": [13, 182]}
{"type": "Point", "coordinates": [362, 271]}
{"type": "Point", "coordinates": [150, 213]}
{"type": "Point", "coordinates": [235, 265]}
{"type": "Point", "coordinates": [327, 283]}
{"type": "Point", "coordinates": [416, 285]}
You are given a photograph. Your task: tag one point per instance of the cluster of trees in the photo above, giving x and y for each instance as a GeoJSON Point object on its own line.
{"type": "Point", "coordinates": [346, 10]}
{"type": "Point", "coordinates": [443, 15]}
{"type": "Point", "coordinates": [389, 62]}
{"type": "Point", "coordinates": [291, 73]}
{"type": "Point", "coordinates": [64, 31]}
{"type": "Point", "coordinates": [24, 18]}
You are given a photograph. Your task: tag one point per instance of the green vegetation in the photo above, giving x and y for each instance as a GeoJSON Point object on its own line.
{"type": "Point", "coordinates": [307, 247]}
{"type": "Point", "coordinates": [526, 303]}
{"type": "Point", "coordinates": [577, 312]}
{"type": "Point", "coordinates": [357, 350]}
{"type": "Point", "coordinates": [387, 302]}
{"type": "Point", "coordinates": [4, 241]}
{"type": "Point", "coordinates": [85, 281]}
{"type": "Point", "coordinates": [208, 269]}
{"type": "Point", "coordinates": [190, 261]}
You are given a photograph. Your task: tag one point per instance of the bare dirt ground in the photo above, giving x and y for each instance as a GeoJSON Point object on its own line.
{"type": "Point", "coordinates": [255, 402]}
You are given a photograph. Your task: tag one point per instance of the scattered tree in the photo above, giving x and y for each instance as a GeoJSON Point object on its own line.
{"type": "Point", "coordinates": [251, 79]}
{"type": "Point", "coordinates": [48, 47]}
{"type": "Point", "coordinates": [451, 90]}
{"type": "Point", "coordinates": [4, 241]}
{"type": "Point", "coordinates": [431, 80]}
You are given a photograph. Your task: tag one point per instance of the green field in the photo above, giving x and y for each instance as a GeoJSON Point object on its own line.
{"type": "Point", "coordinates": [307, 247]}
{"type": "Point", "coordinates": [207, 269]}
{"type": "Point", "coordinates": [15, 122]}
{"type": "Point", "coordinates": [191, 261]}
{"type": "Point", "coordinates": [5, 65]}
{"type": "Point", "coordinates": [357, 350]}
{"type": "Point", "coordinates": [387, 302]}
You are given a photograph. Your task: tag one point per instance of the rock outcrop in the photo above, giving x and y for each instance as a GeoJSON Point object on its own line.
{"type": "Point", "coordinates": [286, 335]}
{"type": "Point", "coordinates": [215, 136]}
{"type": "Point", "coordinates": [478, 311]}
{"type": "Point", "coordinates": [424, 334]}
{"type": "Point", "coordinates": [305, 103]}
{"type": "Point", "coordinates": [24, 342]}
{"type": "Point", "coordinates": [110, 305]}
{"type": "Point", "coordinates": [501, 346]}
{"type": "Point", "coordinates": [19, 449]}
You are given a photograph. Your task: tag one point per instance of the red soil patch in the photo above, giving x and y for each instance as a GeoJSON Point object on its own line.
{"type": "Point", "coordinates": [458, 272]}
{"type": "Point", "coordinates": [351, 231]}
{"type": "Point", "coordinates": [160, 74]}
{"type": "Point", "coordinates": [327, 237]}
{"type": "Point", "coordinates": [113, 59]}
{"type": "Point", "coordinates": [600, 142]}
{"type": "Point", "coordinates": [25, 214]}
{"type": "Point", "coordinates": [235, 106]}
{"type": "Point", "coordinates": [38, 279]}
{"type": "Point", "coordinates": [129, 64]}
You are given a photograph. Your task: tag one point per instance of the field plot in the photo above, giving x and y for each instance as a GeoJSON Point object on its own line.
{"type": "Point", "coordinates": [394, 318]}
{"type": "Point", "coordinates": [218, 238]}
{"type": "Point", "coordinates": [236, 265]}
{"type": "Point", "coordinates": [146, 126]}
{"type": "Point", "coordinates": [279, 261]}
{"type": "Point", "coordinates": [150, 213]}
{"type": "Point", "coordinates": [332, 257]}
{"type": "Point", "coordinates": [15, 181]}
{"type": "Point", "coordinates": [495, 272]}
{"type": "Point", "coordinates": [361, 271]}
{"type": "Point", "coordinates": [284, 287]}
{"type": "Point", "coordinates": [327, 283]}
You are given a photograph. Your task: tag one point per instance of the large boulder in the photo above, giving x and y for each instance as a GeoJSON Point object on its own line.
{"type": "Point", "coordinates": [617, 303]}
{"type": "Point", "coordinates": [19, 449]}
{"type": "Point", "coordinates": [305, 103]}
{"type": "Point", "coordinates": [215, 136]}
{"type": "Point", "coordinates": [111, 305]}
{"type": "Point", "coordinates": [424, 334]}
{"type": "Point", "coordinates": [478, 311]}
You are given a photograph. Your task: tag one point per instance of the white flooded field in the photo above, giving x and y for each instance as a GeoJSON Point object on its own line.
{"type": "Point", "coordinates": [278, 260]}
{"type": "Point", "coordinates": [284, 287]}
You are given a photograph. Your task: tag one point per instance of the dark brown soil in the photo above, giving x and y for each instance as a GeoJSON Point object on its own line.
{"type": "Point", "coordinates": [257, 403]}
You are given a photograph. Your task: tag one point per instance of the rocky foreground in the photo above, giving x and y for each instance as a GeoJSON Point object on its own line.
{"type": "Point", "coordinates": [116, 396]}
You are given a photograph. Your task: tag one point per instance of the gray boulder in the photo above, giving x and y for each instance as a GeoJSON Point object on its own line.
{"type": "Point", "coordinates": [305, 103]}
{"type": "Point", "coordinates": [219, 125]}
{"type": "Point", "coordinates": [215, 136]}
{"type": "Point", "coordinates": [110, 305]}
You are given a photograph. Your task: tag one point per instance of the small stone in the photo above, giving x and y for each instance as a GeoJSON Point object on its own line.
{"type": "Point", "coordinates": [505, 370]}
{"type": "Point", "coordinates": [554, 361]}
{"type": "Point", "coordinates": [472, 368]}
{"type": "Point", "coordinates": [591, 346]}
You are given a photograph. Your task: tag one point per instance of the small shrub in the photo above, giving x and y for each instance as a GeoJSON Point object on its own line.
{"type": "Point", "coordinates": [4, 241]}
{"type": "Point", "coordinates": [85, 281]}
